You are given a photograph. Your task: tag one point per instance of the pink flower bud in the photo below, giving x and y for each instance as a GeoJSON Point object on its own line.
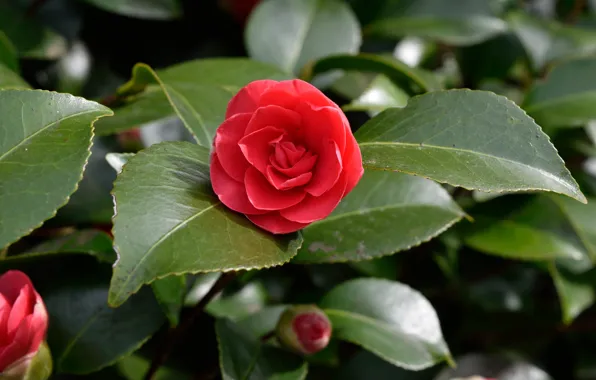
{"type": "Point", "coordinates": [23, 322]}
{"type": "Point", "coordinates": [304, 329]}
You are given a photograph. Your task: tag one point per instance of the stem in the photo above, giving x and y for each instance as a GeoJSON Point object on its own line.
{"type": "Point", "coordinates": [172, 338]}
{"type": "Point", "coordinates": [268, 336]}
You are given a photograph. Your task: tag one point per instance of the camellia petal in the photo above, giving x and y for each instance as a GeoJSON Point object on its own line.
{"type": "Point", "coordinates": [258, 146]}
{"type": "Point", "coordinates": [266, 197]}
{"type": "Point", "coordinates": [275, 223]}
{"type": "Point", "coordinates": [248, 98]}
{"type": "Point", "coordinates": [230, 192]}
{"type": "Point", "coordinates": [11, 284]}
{"type": "Point", "coordinates": [327, 171]}
{"type": "Point", "coordinates": [288, 94]}
{"type": "Point", "coordinates": [22, 307]}
{"type": "Point", "coordinates": [322, 123]}
{"type": "Point", "coordinates": [305, 165]}
{"type": "Point", "coordinates": [352, 164]}
{"type": "Point", "coordinates": [226, 140]}
{"type": "Point", "coordinates": [313, 208]}
{"type": "Point", "coordinates": [18, 347]}
{"type": "Point", "coordinates": [278, 117]}
{"type": "Point", "coordinates": [281, 182]}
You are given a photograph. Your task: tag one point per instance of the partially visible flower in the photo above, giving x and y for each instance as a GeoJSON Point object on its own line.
{"type": "Point", "coordinates": [240, 9]}
{"type": "Point", "coordinates": [304, 329]}
{"type": "Point", "coordinates": [23, 323]}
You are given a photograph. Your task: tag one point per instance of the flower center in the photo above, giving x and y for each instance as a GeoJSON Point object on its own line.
{"type": "Point", "coordinates": [290, 165]}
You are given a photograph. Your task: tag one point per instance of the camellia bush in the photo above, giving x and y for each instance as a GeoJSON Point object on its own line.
{"type": "Point", "coordinates": [298, 189]}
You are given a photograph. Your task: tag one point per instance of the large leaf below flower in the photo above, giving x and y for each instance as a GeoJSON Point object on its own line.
{"type": "Point", "coordinates": [290, 33]}
{"type": "Point", "coordinates": [473, 139]}
{"type": "Point", "coordinates": [386, 212]}
{"type": "Point", "coordinates": [389, 319]}
{"type": "Point", "coordinates": [168, 221]}
{"type": "Point", "coordinates": [45, 144]}
{"type": "Point", "coordinates": [197, 91]}
{"type": "Point", "coordinates": [242, 356]}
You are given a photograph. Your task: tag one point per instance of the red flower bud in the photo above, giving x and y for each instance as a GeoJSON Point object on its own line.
{"type": "Point", "coordinates": [23, 323]}
{"type": "Point", "coordinates": [304, 329]}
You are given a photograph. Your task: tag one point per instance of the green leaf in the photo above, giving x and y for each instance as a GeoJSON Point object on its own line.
{"type": "Point", "coordinates": [543, 228]}
{"type": "Point", "coordinates": [198, 91]}
{"type": "Point", "coordinates": [566, 96]}
{"type": "Point", "coordinates": [188, 230]}
{"type": "Point", "coordinates": [134, 367]}
{"type": "Point", "coordinates": [492, 366]}
{"type": "Point", "coordinates": [464, 22]}
{"type": "Point", "coordinates": [576, 291]}
{"type": "Point", "coordinates": [363, 226]}
{"type": "Point", "coordinates": [44, 148]}
{"type": "Point", "coordinates": [262, 322]}
{"type": "Point", "coordinates": [85, 333]}
{"type": "Point", "coordinates": [145, 9]}
{"type": "Point", "coordinates": [548, 40]}
{"type": "Point", "coordinates": [248, 300]}
{"type": "Point", "coordinates": [10, 79]}
{"type": "Point", "coordinates": [289, 33]}
{"type": "Point", "coordinates": [8, 53]}
{"type": "Point", "coordinates": [389, 319]}
{"type": "Point", "coordinates": [380, 95]}
{"type": "Point", "coordinates": [170, 292]}
{"type": "Point", "coordinates": [91, 242]}
{"type": "Point", "coordinates": [411, 79]}
{"type": "Point", "coordinates": [472, 139]}
{"type": "Point", "coordinates": [30, 38]}
{"type": "Point", "coordinates": [242, 356]}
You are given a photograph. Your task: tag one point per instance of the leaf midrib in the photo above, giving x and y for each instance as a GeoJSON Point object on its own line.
{"type": "Point", "coordinates": [31, 136]}
{"type": "Point", "coordinates": [161, 240]}
{"type": "Point", "coordinates": [542, 171]}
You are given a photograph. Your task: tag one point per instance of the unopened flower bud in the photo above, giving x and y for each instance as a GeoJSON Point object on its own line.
{"type": "Point", "coordinates": [304, 329]}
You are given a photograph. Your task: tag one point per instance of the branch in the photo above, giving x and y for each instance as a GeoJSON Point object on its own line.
{"type": "Point", "coordinates": [172, 338]}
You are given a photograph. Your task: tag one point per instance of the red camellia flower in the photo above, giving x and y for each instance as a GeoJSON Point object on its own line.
{"type": "Point", "coordinates": [23, 319]}
{"type": "Point", "coordinates": [284, 156]}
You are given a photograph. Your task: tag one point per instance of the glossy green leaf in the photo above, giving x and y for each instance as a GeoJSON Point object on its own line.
{"type": "Point", "coordinates": [169, 292]}
{"type": "Point", "coordinates": [493, 366]}
{"type": "Point", "coordinates": [243, 356]}
{"type": "Point", "coordinates": [387, 212]}
{"type": "Point", "coordinates": [10, 79]}
{"type": "Point", "coordinates": [30, 38]}
{"type": "Point", "coordinates": [187, 229]}
{"type": "Point", "coordinates": [567, 95]}
{"type": "Point", "coordinates": [380, 95]}
{"type": "Point", "coordinates": [548, 40]}
{"type": "Point", "coordinates": [576, 291]}
{"type": "Point", "coordinates": [248, 300]}
{"type": "Point", "coordinates": [543, 228]}
{"type": "Point", "coordinates": [290, 33]}
{"type": "Point", "coordinates": [8, 53]}
{"type": "Point", "coordinates": [91, 242]}
{"type": "Point", "coordinates": [44, 148]}
{"type": "Point", "coordinates": [262, 322]}
{"type": "Point", "coordinates": [413, 80]}
{"type": "Point", "coordinates": [198, 91]}
{"type": "Point", "coordinates": [134, 367]}
{"type": "Point", "coordinates": [145, 9]}
{"type": "Point", "coordinates": [463, 22]}
{"type": "Point", "coordinates": [472, 139]}
{"type": "Point", "coordinates": [86, 334]}
{"type": "Point", "coordinates": [389, 319]}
